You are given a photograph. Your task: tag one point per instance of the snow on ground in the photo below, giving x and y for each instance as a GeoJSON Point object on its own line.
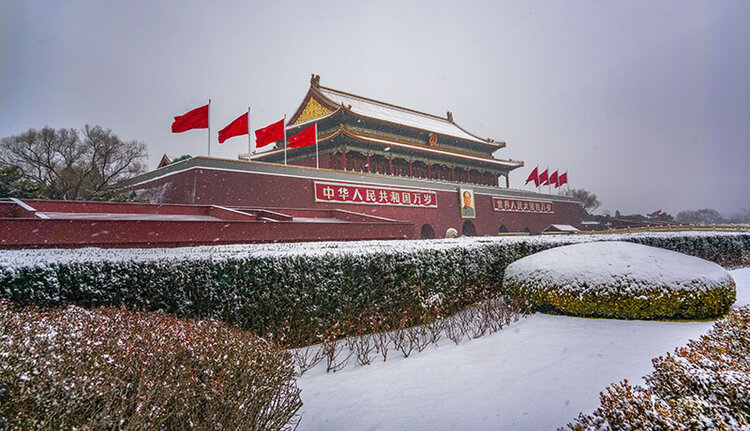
{"type": "Point", "coordinates": [742, 278]}
{"type": "Point", "coordinates": [539, 373]}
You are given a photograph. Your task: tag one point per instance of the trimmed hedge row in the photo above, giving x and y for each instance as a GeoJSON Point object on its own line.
{"type": "Point", "coordinates": [727, 251]}
{"type": "Point", "coordinates": [298, 298]}
{"type": "Point", "coordinates": [627, 302]}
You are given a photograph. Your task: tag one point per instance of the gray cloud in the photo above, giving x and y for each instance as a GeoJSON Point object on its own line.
{"type": "Point", "coordinates": [646, 104]}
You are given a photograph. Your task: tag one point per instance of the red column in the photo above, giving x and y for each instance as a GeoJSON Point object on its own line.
{"type": "Point", "coordinates": [482, 177]}
{"type": "Point", "coordinates": [429, 171]}
{"type": "Point", "coordinates": [390, 165]}
{"type": "Point", "coordinates": [453, 173]}
{"type": "Point", "coordinates": [368, 162]}
{"type": "Point", "coordinates": [507, 182]}
{"type": "Point", "coordinates": [410, 174]}
{"type": "Point", "coordinates": [468, 175]}
{"type": "Point", "coordinates": [343, 160]}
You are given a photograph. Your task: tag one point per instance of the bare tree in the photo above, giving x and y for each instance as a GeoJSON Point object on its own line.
{"type": "Point", "coordinates": [72, 164]}
{"type": "Point", "coordinates": [589, 201]}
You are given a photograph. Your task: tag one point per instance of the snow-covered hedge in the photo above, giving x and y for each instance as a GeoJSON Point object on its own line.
{"type": "Point", "coordinates": [108, 368]}
{"type": "Point", "coordinates": [623, 280]}
{"type": "Point", "coordinates": [704, 386]}
{"type": "Point", "coordinates": [299, 291]}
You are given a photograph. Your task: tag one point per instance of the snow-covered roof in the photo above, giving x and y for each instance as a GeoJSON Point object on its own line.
{"type": "Point", "coordinates": [399, 115]}
{"type": "Point", "coordinates": [561, 228]}
{"type": "Point", "coordinates": [124, 216]}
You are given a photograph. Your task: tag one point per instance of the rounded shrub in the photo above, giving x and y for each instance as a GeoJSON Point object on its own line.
{"type": "Point", "coordinates": [110, 368]}
{"type": "Point", "coordinates": [621, 280]}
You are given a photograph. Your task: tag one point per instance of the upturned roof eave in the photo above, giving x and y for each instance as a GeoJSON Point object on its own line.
{"type": "Point", "coordinates": [320, 97]}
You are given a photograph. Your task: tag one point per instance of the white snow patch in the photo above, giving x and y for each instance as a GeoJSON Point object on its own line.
{"type": "Point", "coordinates": [538, 373]}
{"type": "Point", "coordinates": [742, 278]}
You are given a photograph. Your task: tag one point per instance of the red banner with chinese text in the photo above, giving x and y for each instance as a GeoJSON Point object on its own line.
{"type": "Point", "coordinates": [374, 195]}
{"type": "Point", "coordinates": [522, 205]}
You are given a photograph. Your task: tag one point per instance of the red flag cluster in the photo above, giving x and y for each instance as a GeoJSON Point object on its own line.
{"type": "Point", "coordinates": [547, 179]}
{"type": "Point", "coordinates": [198, 119]}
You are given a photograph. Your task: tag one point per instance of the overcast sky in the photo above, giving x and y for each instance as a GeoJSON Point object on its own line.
{"type": "Point", "coordinates": [646, 104]}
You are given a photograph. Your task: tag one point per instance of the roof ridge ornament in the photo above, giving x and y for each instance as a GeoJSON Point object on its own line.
{"type": "Point", "coordinates": [315, 80]}
{"type": "Point", "coordinates": [449, 116]}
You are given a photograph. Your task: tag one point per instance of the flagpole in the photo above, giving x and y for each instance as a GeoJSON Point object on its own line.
{"type": "Point", "coordinates": [549, 183]}
{"type": "Point", "coordinates": [209, 127]}
{"type": "Point", "coordinates": [317, 159]}
{"type": "Point", "coordinates": [249, 136]}
{"type": "Point", "coordinates": [283, 126]}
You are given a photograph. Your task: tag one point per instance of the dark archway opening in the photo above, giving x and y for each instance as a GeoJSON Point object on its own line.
{"type": "Point", "coordinates": [468, 229]}
{"type": "Point", "coordinates": [503, 229]}
{"type": "Point", "coordinates": [527, 230]}
{"type": "Point", "coordinates": [428, 232]}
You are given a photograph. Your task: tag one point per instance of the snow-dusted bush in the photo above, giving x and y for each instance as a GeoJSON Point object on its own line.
{"type": "Point", "coordinates": [732, 252]}
{"type": "Point", "coordinates": [298, 292]}
{"type": "Point", "coordinates": [704, 386]}
{"type": "Point", "coordinates": [621, 280]}
{"type": "Point", "coordinates": [296, 299]}
{"type": "Point", "coordinates": [116, 369]}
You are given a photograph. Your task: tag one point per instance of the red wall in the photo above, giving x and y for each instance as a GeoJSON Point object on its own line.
{"type": "Point", "coordinates": [22, 233]}
{"type": "Point", "coordinates": [246, 189]}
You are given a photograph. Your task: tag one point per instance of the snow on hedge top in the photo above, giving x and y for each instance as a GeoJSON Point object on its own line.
{"type": "Point", "coordinates": [609, 263]}
{"type": "Point", "coordinates": [11, 259]}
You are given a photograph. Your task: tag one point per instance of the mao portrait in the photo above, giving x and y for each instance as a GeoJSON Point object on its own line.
{"type": "Point", "coordinates": [468, 209]}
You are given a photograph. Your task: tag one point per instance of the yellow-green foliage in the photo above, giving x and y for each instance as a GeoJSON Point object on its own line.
{"type": "Point", "coordinates": [624, 302]}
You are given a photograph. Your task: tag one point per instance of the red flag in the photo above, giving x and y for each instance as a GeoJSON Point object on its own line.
{"type": "Point", "coordinates": [553, 179]}
{"type": "Point", "coordinates": [195, 119]}
{"type": "Point", "coordinates": [305, 137]}
{"type": "Point", "coordinates": [269, 134]}
{"type": "Point", "coordinates": [235, 128]}
{"type": "Point", "coordinates": [533, 176]}
{"type": "Point", "coordinates": [543, 178]}
{"type": "Point", "coordinates": [655, 213]}
{"type": "Point", "coordinates": [562, 179]}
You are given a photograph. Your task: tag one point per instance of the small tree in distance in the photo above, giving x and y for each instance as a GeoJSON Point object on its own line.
{"type": "Point", "coordinates": [589, 201]}
{"type": "Point", "coordinates": [69, 164]}
{"type": "Point", "coordinates": [705, 216]}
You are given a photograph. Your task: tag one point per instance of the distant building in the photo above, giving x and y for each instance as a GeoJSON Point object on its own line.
{"type": "Point", "coordinates": [358, 134]}
{"type": "Point", "coordinates": [375, 159]}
